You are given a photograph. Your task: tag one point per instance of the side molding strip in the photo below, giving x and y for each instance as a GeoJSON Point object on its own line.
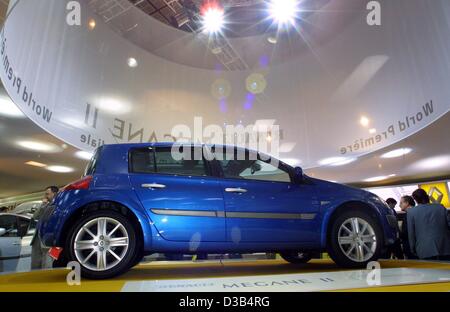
{"type": "Point", "coordinates": [236, 215]}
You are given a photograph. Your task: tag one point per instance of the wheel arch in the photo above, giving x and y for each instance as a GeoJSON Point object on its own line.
{"type": "Point", "coordinates": [332, 214]}
{"type": "Point", "coordinates": [138, 221]}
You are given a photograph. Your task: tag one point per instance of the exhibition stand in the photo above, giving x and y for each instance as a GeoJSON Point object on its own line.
{"type": "Point", "coordinates": [247, 276]}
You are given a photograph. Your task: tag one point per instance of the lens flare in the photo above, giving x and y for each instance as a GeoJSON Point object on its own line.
{"type": "Point", "coordinates": [284, 11]}
{"type": "Point", "coordinates": [213, 18]}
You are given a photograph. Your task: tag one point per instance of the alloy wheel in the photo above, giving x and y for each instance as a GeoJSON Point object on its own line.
{"type": "Point", "coordinates": [101, 244]}
{"type": "Point", "coordinates": [357, 239]}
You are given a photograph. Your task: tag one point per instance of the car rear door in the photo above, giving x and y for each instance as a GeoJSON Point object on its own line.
{"type": "Point", "coordinates": [182, 198]}
{"type": "Point", "coordinates": [262, 204]}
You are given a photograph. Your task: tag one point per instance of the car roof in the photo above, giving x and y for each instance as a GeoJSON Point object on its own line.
{"type": "Point", "coordinates": [15, 215]}
{"type": "Point", "coordinates": [170, 144]}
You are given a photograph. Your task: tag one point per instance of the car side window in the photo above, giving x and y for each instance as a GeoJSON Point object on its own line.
{"type": "Point", "coordinates": [142, 160]}
{"type": "Point", "coordinates": [161, 160]}
{"type": "Point", "coordinates": [9, 223]}
{"type": "Point", "coordinates": [251, 167]}
{"type": "Point", "coordinates": [187, 162]}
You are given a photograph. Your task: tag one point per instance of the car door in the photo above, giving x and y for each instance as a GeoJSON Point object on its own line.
{"type": "Point", "coordinates": [10, 243]}
{"type": "Point", "coordinates": [181, 197]}
{"type": "Point", "coordinates": [26, 230]}
{"type": "Point", "coordinates": [263, 204]}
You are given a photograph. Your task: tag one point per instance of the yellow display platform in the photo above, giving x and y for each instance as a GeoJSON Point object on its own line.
{"type": "Point", "coordinates": [55, 280]}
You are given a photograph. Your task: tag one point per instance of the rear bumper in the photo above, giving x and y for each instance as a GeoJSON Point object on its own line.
{"type": "Point", "coordinates": [48, 226]}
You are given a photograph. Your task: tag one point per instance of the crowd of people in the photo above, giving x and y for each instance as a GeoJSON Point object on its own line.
{"type": "Point", "coordinates": [425, 228]}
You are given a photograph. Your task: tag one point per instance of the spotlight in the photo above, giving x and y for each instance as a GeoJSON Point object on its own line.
{"type": "Point", "coordinates": [283, 11]}
{"type": "Point", "coordinates": [364, 121]}
{"type": "Point", "coordinates": [132, 62]}
{"type": "Point", "coordinates": [212, 18]}
{"type": "Point", "coordinates": [92, 24]}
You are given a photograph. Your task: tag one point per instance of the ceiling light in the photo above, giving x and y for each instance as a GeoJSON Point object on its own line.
{"type": "Point", "coordinates": [379, 178]}
{"type": "Point", "coordinates": [272, 39]}
{"type": "Point", "coordinates": [436, 162]}
{"type": "Point", "coordinates": [283, 11]}
{"type": "Point", "coordinates": [213, 18]}
{"type": "Point", "coordinates": [397, 153]}
{"type": "Point", "coordinates": [84, 155]}
{"type": "Point", "coordinates": [35, 164]}
{"type": "Point", "coordinates": [92, 24]}
{"type": "Point", "coordinates": [364, 121]}
{"type": "Point", "coordinates": [9, 109]}
{"type": "Point", "coordinates": [336, 161]}
{"type": "Point", "coordinates": [60, 169]}
{"type": "Point", "coordinates": [372, 131]}
{"type": "Point", "coordinates": [132, 62]}
{"type": "Point", "coordinates": [40, 146]}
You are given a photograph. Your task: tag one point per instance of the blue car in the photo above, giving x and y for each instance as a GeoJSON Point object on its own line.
{"type": "Point", "coordinates": [139, 199]}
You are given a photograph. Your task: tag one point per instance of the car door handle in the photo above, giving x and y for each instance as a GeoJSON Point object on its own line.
{"type": "Point", "coordinates": [153, 186]}
{"type": "Point", "coordinates": [17, 244]}
{"type": "Point", "coordinates": [235, 190]}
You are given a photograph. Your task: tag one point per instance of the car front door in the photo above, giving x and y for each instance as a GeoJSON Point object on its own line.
{"type": "Point", "coordinates": [10, 243]}
{"type": "Point", "coordinates": [182, 198]}
{"type": "Point", "coordinates": [264, 204]}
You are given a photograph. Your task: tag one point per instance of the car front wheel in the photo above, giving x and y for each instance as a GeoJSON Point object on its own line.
{"type": "Point", "coordinates": [355, 239]}
{"type": "Point", "coordinates": [104, 243]}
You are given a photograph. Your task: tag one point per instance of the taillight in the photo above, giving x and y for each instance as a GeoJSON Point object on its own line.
{"type": "Point", "coordinates": [82, 184]}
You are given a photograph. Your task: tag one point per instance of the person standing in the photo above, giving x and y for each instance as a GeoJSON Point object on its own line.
{"type": "Point", "coordinates": [392, 203]}
{"type": "Point", "coordinates": [38, 253]}
{"type": "Point", "coordinates": [428, 230]}
{"type": "Point", "coordinates": [406, 202]}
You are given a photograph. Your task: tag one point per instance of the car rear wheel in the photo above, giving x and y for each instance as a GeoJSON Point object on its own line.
{"type": "Point", "coordinates": [104, 243]}
{"type": "Point", "coordinates": [355, 239]}
{"type": "Point", "coordinates": [296, 257]}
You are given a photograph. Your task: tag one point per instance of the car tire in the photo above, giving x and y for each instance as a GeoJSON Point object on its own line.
{"type": "Point", "coordinates": [102, 256]}
{"type": "Point", "coordinates": [355, 239]}
{"type": "Point", "coordinates": [296, 257]}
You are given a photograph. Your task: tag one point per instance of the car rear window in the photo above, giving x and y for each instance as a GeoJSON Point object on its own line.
{"type": "Point", "coordinates": [90, 169]}
{"type": "Point", "coordinates": [160, 160]}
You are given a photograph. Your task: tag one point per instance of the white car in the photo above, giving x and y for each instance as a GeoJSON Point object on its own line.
{"type": "Point", "coordinates": [16, 232]}
{"type": "Point", "coordinates": [28, 208]}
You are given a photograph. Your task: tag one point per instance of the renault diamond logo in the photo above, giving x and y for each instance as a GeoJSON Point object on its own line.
{"type": "Point", "coordinates": [436, 195]}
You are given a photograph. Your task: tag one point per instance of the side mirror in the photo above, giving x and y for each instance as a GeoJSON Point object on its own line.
{"type": "Point", "coordinates": [2, 231]}
{"type": "Point", "coordinates": [298, 174]}
{"type": "Point", "coordinates": [255, 168]}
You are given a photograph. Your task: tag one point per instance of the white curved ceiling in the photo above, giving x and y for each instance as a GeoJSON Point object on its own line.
{"type": "Point", "coordinates": [386, 79]}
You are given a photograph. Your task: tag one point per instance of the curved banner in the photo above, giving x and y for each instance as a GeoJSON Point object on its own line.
{"type": "Point", "coordinates": [361, 90]}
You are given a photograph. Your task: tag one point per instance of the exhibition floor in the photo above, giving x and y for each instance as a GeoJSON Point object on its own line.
{"type": "Point", "coordinates": [238, 275]}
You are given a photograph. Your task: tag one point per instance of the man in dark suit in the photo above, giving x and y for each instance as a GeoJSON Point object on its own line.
{"type": "Point", "coordinates": [406, 202]}
{"type": "Point", "coordinates": [38, 253]}
{"type": "Point", "coordinates": [428, 230]}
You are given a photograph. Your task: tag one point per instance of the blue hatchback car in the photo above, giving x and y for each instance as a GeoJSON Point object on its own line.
{"type": "Point", "coordinates": [139, 199]}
